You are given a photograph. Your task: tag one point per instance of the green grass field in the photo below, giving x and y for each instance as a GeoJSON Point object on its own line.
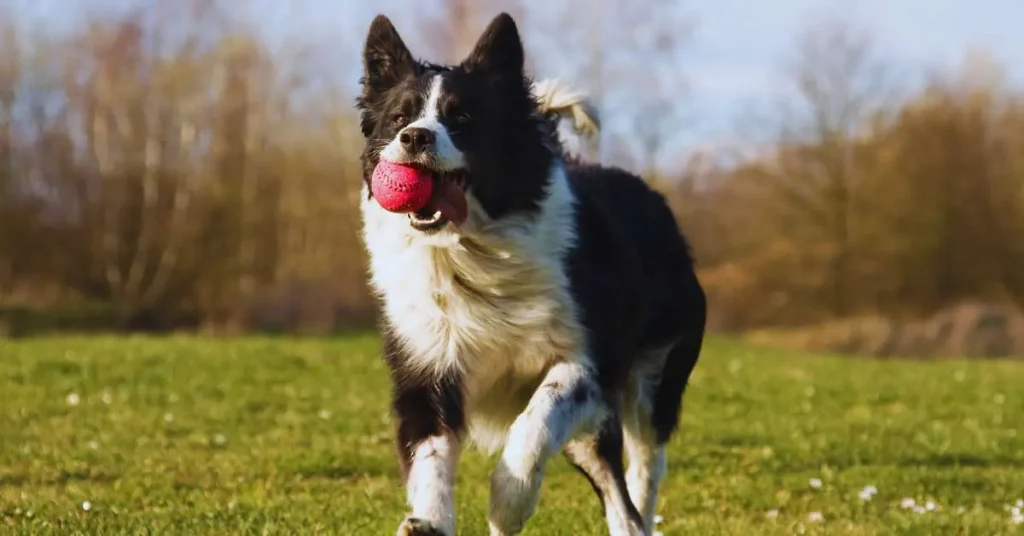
{"type": "Point", "coordinates": [282, 436]}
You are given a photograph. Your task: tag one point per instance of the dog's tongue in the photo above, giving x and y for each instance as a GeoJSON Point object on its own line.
{"type": "Point", "coordinates": [451, 201]}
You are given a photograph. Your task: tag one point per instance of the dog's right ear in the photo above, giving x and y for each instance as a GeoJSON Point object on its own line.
{"type": "Point", "coordinates": [386, 59]}
{"type": "Point", "coordinates": [499, 51]}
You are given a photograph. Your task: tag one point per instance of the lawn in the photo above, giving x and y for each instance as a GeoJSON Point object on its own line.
{"type": "Point", "coordinates": [289, 436]}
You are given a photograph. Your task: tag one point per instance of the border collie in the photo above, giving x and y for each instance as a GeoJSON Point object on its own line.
{"type": "Point", "coordinates": [537, 304]}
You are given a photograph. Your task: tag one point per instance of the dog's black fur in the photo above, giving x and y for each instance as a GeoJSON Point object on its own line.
{"type": "Point", "coordinates": [630, 272]}
{"type": "Point", "coordinates": [633, 277]}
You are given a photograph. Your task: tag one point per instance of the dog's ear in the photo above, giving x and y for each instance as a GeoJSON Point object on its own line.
{"type": "Point", "coordinates": [499, 50]}
{"type": "Point", "coordinates": [386, 59]}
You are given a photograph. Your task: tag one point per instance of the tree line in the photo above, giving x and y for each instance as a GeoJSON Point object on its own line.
{"type": "Point", "coordinates": [865, 202]}
{"type": "Point", "coordinates": [152, 179]}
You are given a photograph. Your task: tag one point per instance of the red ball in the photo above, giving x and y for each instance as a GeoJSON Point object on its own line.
{"type": "Point", "coordinates": [401, 188]}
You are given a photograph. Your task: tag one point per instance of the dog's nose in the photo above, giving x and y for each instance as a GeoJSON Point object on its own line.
{"type": "Point", "coordinates": [417, 140]}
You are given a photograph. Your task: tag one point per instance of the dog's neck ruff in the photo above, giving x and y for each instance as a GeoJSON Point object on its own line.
{"type": "Point", "coordinates": [482, 291]}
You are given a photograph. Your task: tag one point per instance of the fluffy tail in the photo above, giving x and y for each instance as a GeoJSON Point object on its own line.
{"type": "Point", "coordinates": [554, 97]}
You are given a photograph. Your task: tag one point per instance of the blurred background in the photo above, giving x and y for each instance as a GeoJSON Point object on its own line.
{"type": "Point", "coordinates": [851, 177]}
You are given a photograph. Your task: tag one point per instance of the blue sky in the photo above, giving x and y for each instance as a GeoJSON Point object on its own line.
{"type": "Point", "coordinates": [741, 44]}
{"type": "Point", "coordinates": [732, 62]}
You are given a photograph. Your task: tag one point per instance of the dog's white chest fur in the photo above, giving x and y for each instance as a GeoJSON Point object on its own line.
{"type": "Point", "coordinates": [491, 301]}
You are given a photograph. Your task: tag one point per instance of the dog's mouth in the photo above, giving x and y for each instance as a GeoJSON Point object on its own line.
{"type": "Point", "coordinates": [446, 204]}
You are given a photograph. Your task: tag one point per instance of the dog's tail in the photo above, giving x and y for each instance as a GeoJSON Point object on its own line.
{"type": "Point", "coordinates": [555, 98]}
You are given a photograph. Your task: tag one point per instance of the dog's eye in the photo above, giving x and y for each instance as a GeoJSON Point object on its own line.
{"type": "Point", "coordinates": [460, 118]}
{"type": "Point", "coordinates": [398, 119]}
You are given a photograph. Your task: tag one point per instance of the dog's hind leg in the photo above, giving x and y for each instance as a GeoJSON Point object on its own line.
{"type": "Point", "coordinates": [647, 468]}
{"type": "Point", "coordinates": [650, 420]}
{"type": "Point", "coordinates": [566, 403]}
{"type": "Point", "coordinates": [599, 457]}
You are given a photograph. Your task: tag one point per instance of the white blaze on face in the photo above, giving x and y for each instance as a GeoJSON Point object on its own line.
{"type": "Point", "coordinates": [446, 156]}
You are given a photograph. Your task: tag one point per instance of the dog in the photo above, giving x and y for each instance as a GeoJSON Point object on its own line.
{"type": "Point", "coordinates": [537, 304]}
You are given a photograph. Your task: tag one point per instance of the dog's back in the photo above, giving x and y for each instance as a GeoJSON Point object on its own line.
{"type": "Point", "coordinates": [627, 229]}
{"type": "Point", "coordinates": [632, 269]}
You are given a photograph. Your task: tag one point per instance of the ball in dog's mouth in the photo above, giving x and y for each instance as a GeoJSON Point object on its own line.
{"type": "Point", "coordinates": [401, 188]}
{"type": "Point", "coordinates": [447, 203]}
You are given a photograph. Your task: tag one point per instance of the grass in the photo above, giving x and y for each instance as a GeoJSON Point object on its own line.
{"type": "Point", "coordinates": [287, 436]}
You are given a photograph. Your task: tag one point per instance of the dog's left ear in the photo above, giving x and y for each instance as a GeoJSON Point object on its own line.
{"type": "Point", "coordinates": [499, 50]}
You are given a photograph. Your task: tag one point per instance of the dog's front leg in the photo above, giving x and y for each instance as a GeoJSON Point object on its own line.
{"type": "Point", "coordinates": [430, 422]}
{"type": "Point", "coordinates": [566, 402]}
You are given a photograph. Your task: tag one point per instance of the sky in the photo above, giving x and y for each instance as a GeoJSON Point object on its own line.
{"type": "Point", "coordinates": [741, 45]}
{"type": "Point", "coordinates": [732, 62]}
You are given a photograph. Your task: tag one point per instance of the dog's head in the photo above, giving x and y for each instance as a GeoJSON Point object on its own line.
{"type": "Point", "coordinates": [473, 125]}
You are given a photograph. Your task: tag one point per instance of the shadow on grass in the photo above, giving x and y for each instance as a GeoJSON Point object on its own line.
{"type": "Point", "coordinates": [731, 451]}
{"type": "Point", "coordinates": [948, 461]}
{"type": "Point", "coordinates": [58, 479]}
{"type": "Point", "coordinates": [339, 472]}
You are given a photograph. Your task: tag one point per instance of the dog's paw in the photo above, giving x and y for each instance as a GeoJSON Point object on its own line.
{"type": "Point", "coordinates": [413, 526]}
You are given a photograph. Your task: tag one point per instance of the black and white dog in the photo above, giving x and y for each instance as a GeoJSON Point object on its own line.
{"type": "Point", "coordinates": [536, 305]}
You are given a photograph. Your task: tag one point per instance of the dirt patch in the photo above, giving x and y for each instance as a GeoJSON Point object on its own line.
{"type": "Point", "coordinates": [969, 330]}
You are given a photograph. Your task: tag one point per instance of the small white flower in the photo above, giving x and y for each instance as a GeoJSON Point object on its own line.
{"type": "Point", "coordinates": [1015, 511]}
{"type": "Point", "coordinates": [86, 506]}
{"type": "Point", "coordinates": [919, 510]}
{"type": "Point", "coordinates": [771, 514]}
{"type": "Point", "coordinates": [324, 414]}
{"type": "Point", "coordinates": [1019, 503]}
{"type": "Point", "coordinates": [219, 439]}
{"type": "Point", "coordinates": [106, 398]}
{"type": "Point", "coordinates": [658, 519]}
{"type": "Point", "coordinates": [1017, 519]}
{"type": "Point", "coordinates": [94, 445]}
{"type": "Point", "coordinates": [657, 533]}
{"type": "Point", "coordinates": [930, 506]}
{"type": "Point", "coordinates": [168, 417]}
{"type": "Point", "coordinates": [815, 483]}
{"type": "Point", "coordinates": [815, 517]}
{"type": "Point", "coordinates": [867, 493]}
{"type": "Point", "coordinates": [907, 503]}
{"type": "Point", "coordinates": [73, 399]}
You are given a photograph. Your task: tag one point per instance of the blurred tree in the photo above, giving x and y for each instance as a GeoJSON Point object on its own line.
{"type": "Point", "coordinates": [450, 28]}
{"type": "Point", "coordinates": [10, 63]}
{"type": "Point", "coordinates": [626, 56]}
{"type": "Point", "coordinates": [840, 84]}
